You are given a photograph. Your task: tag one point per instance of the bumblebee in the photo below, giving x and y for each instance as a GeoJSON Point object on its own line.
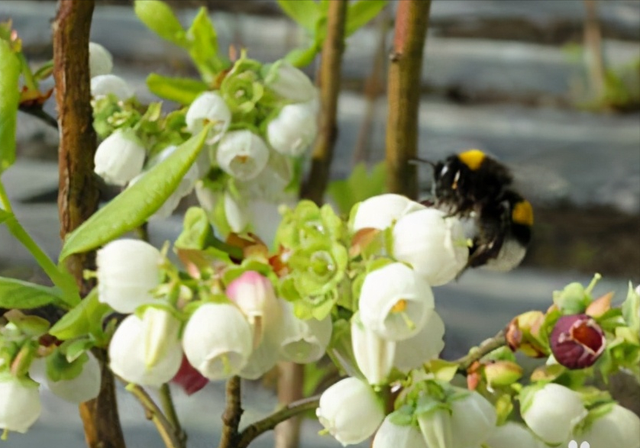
{"type": "Point", "coordinates": [478, 189]}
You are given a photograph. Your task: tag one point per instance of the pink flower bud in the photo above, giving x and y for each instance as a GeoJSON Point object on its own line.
{"type": "Point", "coordinates": [577, 341]}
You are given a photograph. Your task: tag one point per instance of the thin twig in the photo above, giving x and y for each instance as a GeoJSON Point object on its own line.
{"type": "Point", "coordinates": [169, 409]}
{"type": "Point", "coordinates": [330, 75]}
{"type": "Point", "coordinates": [476, 353]}
{"type": "Point", "coordinates": [232, 414]}
{"type": "Point", "coordinates": [403, 93]}
{"type": "Point", "coordinates": [153, 413]}
{"type": "Point", "coordinates": [38, 112]}
{"type": "Point", "coordinates": [254, 430]}
{"type": "Point", "coordinates": [373, 89]}
{"type": "Point", "coordinates": [593, 46]}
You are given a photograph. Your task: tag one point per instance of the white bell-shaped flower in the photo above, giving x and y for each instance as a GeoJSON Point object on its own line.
{"type": "Point", "coordinates": [510, 435]}
{"type": "Point", "coordinates": [433, 244]}
{"type": "Point", "coordinates": [395, 302]}
{"type": "Point", "coordinates": [236, 213]}
{"type": "Point", "coordinates": [380, 212]}
{"type": "Point", "coordinates": [618, 428]}
{"type": "Point", "coordinates": [209, 107]}
{"type": "Point", "coordinates": [134, 356]}
{"type": "Point", "coordinates": [290, 83]}
{"type": "Point", "coordinates": [293, 130]}
{"type": "Point", "coordinates": [20, 404]}
{"type": "Point", "coordinates": [435, 427]}
{"type": "Point", "coordinates": [552, 412]}
{"type": "Point", "coordinates": [160, 332]}
{"type": "Point", "coordinates": [84, 387]}
{"type": "Point", "coordinates": [119, 158]}
{"type": "Point", "coordinates": [390, 435]}
{"type": "Point", "coordinates": [100, 60]}
{"type": "Point", "coordinates": [272, 180]}
{"type": "Point", "coordinates": [426, 345]}
{"type": "Point", "coordinates": [218, 340]}
{"type": "Point", "coordinates": [350, 411]}
{"type": "Point", "coordinates": [103, 85]}
{"type": "Point", "coordinates": [473, 418]}
{"type": "Point", "coordinates": [373, 354]}
{"type": "Point", "coordinates": [264, 357]}
{"type": "Point", "coordinates": [128, 270]}
{"type": "Point", "coordinates": [303, 341]}
{"type": "Point", "coordinates": [242, 154]}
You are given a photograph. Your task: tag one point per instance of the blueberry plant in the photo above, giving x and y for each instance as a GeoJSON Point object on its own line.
{"type": "Point", "coordinates": [258, 276]}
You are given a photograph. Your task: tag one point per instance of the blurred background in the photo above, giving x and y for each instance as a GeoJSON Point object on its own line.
{"type": "Point", "coordinates": [551, 88]}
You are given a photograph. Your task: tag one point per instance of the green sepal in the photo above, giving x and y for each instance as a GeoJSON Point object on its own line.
{"type": "Point", "coordinates": [31, 326]}
{"type": "Point", "coordinates": [59, 368]}
{"type": "Point", "coordinates": [180, 90]}
{"type": "Point", "coordinates": [631, 309]}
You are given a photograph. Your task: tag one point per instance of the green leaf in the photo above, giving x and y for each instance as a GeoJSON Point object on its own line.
{"type": "Point", "coordinates": [180, 90]}
{"type": "Point", "coordinates": [203, 45]}
{"type": "Point", "coordinates": [10, 67]}
{"type": "Point", "coordinates": [5, 216]}
{"type": "Point", "coordinates": [131, 208]}
{"type": "Point", "coordinates": [160, 19]}
{"type": "Point", "coordinates": [361, 12]}
{"type": "Point", "coordinates": [301, 57]}
{"type": "Point", "coordinates": [84, 319]}
{"type": "Point", "coordinates": [24, 295]}
{"type": "Point", "coordinates": [359, 186]}
{"type": "Point", "coordinates": [303, 12]}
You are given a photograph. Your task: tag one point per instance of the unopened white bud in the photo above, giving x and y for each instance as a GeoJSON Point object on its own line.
{"type": "Point", "coordinates": [103, 85]}
{"type": "Point", "coordinates": [128, 270]}
{"type": "Point", "coordinates": [380, 212]}
{"type": "Point", "coordinates": [119, 158]}
{"type": "Point", "coordinates": [293, 130]}
{"type": "Point", "coordinates": [100, 60]}
{"type": "Point", "coordinates": [20, 404]}
{"type": "Point", "coordinates": [290, 83]}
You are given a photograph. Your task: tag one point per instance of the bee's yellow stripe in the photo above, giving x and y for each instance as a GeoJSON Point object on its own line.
{"type": "Point", "coordinates": [472, 158]}
{"type": "Point", "coordinates": [522, 213]}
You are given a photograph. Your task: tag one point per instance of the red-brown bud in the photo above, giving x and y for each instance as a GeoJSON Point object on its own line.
{"type": "Point", "coordinates": [577, 341]}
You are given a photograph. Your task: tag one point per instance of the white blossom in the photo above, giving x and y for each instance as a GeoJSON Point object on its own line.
{"type": "Point", "coordinates": [119, 158]}
{"type": "Point", "coordinates": [235, 210]}
{"type": "Point", "coordinates": [209, 107]}
{"type": "Point", "coordinates": [293, 130]}
{"type": "Point", "coordinates": [426, 345]}
{"type": "Point", "coordinates": [84, 387]}
{"type": "Point", "coordinates": [130, 353]}
{"type": "Point", "coordinates": [20, 404]}
{"type": "Point", "coordinates": [272, 180]}
{"type": "Point", "coordinates": [290, 83]}
{"type": "Point", "coordinates": [510, 435]}
{"type": "Point", "coordinates": [552, 412]}
{"type": "Point", "coordinates": [103, 85]}
{"type": "Point", "coordinates": [473, 418]}
{"type": "Point", "coordinates": [218, 340]}
{"type": "Point", "coordinates": [390, 435]}
{"type": "Point", "coordinates": [128, 270]}
{"type": "Point", "coordinates": [242, 154]}
{"type": "Point", "coordinates": [395, 302]}
{"type": "Point", "coordinates": [303, 341]}
{"type": "Point", "coordinates": [100, 60]}
{"type": "Point", "coordinates": [380, 212]}
{"type": "Point", "coordinates": [432, 243]}
{"type": "Point", "coordinates": [373, 354]}
{"type": "Point", "coordinates": [619, 428]}
{"type": "Point", "coordinates": [435, 426]}
{"type": "Point", "coordinates": [350, 411]}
